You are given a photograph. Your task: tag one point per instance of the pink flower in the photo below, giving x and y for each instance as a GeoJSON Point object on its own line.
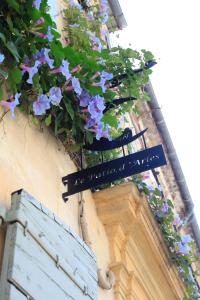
{"type": "Point", "coordinates": [76, 69]}
{"type": "Point", "coordinates": [40, 21]}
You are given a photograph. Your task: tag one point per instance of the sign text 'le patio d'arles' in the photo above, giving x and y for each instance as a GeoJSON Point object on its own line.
{"type": "Point", "coordinates": [128, 165]}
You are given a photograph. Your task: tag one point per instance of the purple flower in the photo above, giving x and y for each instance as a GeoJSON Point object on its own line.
{"type": "Point", "coordinates": [76, 86]}
{"type": "Point", "coordinates": [90, 16]}
{"type": "Point", "coordinates": [11, 105]}
{"type": "Point", "coordinates": [74, 25]}
{"type": "Point", "coordinates": [31, 70]}
{"type": "Point", "coordinates": [105, 18]}
{"type": "Point", "coordinates": [186, 239]}
{"type": "Point", "coordinates": [165, 208]}
{"type": "Point", "coordinates": [99, 102]}
{"type": "Point", "coordinates": [96, 107]}
{"type": "Point", "coordinates": [104, 77]}
{"type": "Point", "coordinates": [97, 46]}
{"type": "Point", "coordinates": [104, 11]}
{"type": "Point", "coordinates": [101, 61]}
{"type": "Point", "coordinates": [121, 122]}
{"type": "Point", "coordinates": [183, 248]}
{"type": "Point", "coordinates": [102, 131]}
{"type": "Point", "coordinates": [36, 3]}
{"type": "Point", "coordinates": [90, 123]}
{"type": "Point", "coordinates": [55, 95]}
{"type": "Point", "coordinates": [104, 32]}
{"type": "Point", "coordinates": [75, 5]}
{"type": "Point", "coordinates": [41, 105]}
{"type": "Point", "coordinates": [64, 69]}
{"type": "Point", "coordinates": [177, 221]}
{"type": "Point", "coordinates": [2, 57]}
{"type": "Point", "coordinates": [84, 98]}
{"type": "Point", "coordinates": [49, 34]}
{"type": "Point", "coordinates": [150, 187]}
{"type": "Point", "coordinates": [40, 21]}
{"type": "Point", "coordinates": [43, 57]}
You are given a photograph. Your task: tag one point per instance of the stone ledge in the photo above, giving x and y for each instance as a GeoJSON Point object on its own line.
{"type": "Point", "coordinates": [139, 257]}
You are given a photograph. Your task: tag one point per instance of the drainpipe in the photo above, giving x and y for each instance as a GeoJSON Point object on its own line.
{"type": "Point", "coordinates": [118, 13]}
{"type": "Point", "coordinates": [176, 167]}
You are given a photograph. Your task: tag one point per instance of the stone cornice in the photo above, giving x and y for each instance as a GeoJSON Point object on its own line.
{"type": "Point", "coordinates": [139, 257]}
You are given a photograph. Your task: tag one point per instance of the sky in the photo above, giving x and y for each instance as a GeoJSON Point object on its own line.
{"type": "Point", "coordinates": [170, 30]}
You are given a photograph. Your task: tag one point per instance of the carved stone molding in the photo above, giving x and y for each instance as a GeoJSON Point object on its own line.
{"type": "Point", "coordinates": [139, 258]}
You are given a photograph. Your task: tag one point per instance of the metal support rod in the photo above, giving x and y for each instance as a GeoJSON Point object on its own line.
{"type": "Point", "coordinates": [144, 141]}
{"type": "Point", "coordinates": [101, 157]}
{"type": "Point", "coordinates": [81, 158]}
{"type": "Point", "coordinates": [123, 151]}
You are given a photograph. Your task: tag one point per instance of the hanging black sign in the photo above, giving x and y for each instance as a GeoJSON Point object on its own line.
{"type": "Point", "coordinates": [116, 169]}
{"type": "Point", "coordinates": [119, 168]}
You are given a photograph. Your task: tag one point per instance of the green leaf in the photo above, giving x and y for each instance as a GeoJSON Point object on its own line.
{"type": "Point", "coordinates": [48, 120]}
{"type": "Point", "coordinates": [75, 148]}
{"type": "Point", "coordinates": [69, 109]}
{"type": "Point", "coordinates": [170, 203]}
{"type": "Point", "coordinates": [89, 137]}
{"type": "Point", "coordinates": [61, 130]}
{"type": "Point", "coordinates": [16, 75]}
{"type": "Point", "coordinates": [2, 37]}
{"type": "Point", "coordinates": [13, 4]}
{"type": "Point", "coordinates": [110, 120]}
{"type": "Point", "coordinates": [13, 50]}
{"type": "Point", "coordinates": [34, 121]}
{"type": "Point", "coordinates": [3, 73]}
{"type": "Point", "coordinates": [57, 51]}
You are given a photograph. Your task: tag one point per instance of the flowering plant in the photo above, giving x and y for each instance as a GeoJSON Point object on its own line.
{"type": "Point", "coordinates": [181, 246]}
{"type": "Point", "coordinates": [66, 86]}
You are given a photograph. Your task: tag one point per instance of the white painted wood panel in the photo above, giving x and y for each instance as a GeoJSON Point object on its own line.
{"type": "Point", "coordinates": [43, 257]}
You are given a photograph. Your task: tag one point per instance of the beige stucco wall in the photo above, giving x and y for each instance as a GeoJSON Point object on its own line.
{"type": "Point", "coordinates": [35, 161]}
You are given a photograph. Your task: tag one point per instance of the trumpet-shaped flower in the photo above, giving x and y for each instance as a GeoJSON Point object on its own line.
{"type": "Point", "coordinates": [74, 25]}
{"type": "Point", "coordinates": [103, 12]}
{"type": "Point", "coordinates": [76, 86]}
{"type": "Point", "coordinates": [102, 131]}
{"type": "Point", "coordinates": [49, 34]}
{"type": "Point", "coordinates": [55, 95]}
{"type": "Point", "coordinates": [186, 239]}
{"type": "Point", "coordinates": [90, 123]}
{"type": "Point", "coordinates": [184, 248]}
{"type": "Point", "coordinates": [84, 99]}
{"type": "Point", "coordinates": [37, 3]}
{"type": "Point", "coordinates": [74, 4]}
{"type": "Point", "coordinates": [41, 105]}
{"type": "Point", "coordinates": [31, 70]}
{"type": "Point", "coordinates": [177, 221]}
{"type": "Point", "coordinates": [11, 105]}
{"type": "Point", "coordinates": [96, 107]}
{"type": "Point", "coordinates": [165, 208]}
{"type": "Point", "coordinates": [43, 57]}
{"type": "Point", "coordinates": [2, 57]}
{"type": "Point", "coordinates": [104, 77]}
{"type": "Point", "coordinates": [40, 21]}
{"type": "Point", "coordinates": [64, 69]}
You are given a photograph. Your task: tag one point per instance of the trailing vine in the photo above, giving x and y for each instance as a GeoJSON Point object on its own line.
{"type": "Point", "coordinates": [65, 86]}
{"type": "Point", "coordinates": [68, 87]}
